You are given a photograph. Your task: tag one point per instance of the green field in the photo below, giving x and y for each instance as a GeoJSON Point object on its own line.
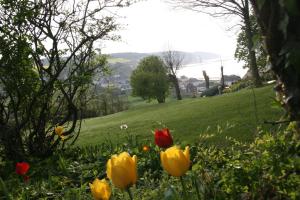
{"type": "Point", "coordinates": [235, 113]}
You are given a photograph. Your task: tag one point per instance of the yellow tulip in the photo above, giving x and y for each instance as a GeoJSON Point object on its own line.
{"type": "Point", "coordinates": [121, 170]}
{"type": "Point", "coordinates": [100, 189]}
{"type": "Point", "coordinates": [175, 161]}
{"type": "Point", "coordinates": [59, 130]}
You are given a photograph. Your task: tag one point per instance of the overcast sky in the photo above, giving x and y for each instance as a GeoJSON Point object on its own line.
{"type": "Point", "coordinates": [153, 25]}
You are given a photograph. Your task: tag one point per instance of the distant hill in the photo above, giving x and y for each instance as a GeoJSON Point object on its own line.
{"type": "Point", "coordinates": [124, 63]}
{"type": "Point", "coordinates": [189, 57]}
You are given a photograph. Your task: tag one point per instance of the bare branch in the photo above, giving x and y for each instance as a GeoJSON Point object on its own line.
{"type": "Point", "coordinates": [215, 8]}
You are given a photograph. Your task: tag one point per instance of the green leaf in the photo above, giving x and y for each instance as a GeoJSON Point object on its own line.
{"type": "Point", "coordinates": [4, 189]}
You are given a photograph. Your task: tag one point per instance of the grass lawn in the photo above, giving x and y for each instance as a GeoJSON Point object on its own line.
{"type": "Point", "coordinates": [235, 113]}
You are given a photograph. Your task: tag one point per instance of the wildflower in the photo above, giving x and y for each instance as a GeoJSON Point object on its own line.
{"type": "Point", "coordinates": [175, 161]}
{"type": "Point", "coordinates": [122, 170]}
{"type": "Point", "coordinates": [59, 130]}
{"type": "Point", "coordinates": [163, 138]}
{"type": "Point", "coordinates": [123, 126]}
{"type": "Point", "coordinates": [22, 168]}
{"type": "Point", "coordinates": [146, 148]}
{"type": "Point", "coordinates": [100, 189]}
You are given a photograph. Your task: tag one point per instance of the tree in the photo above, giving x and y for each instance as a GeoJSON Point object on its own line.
{"type": "Point", "coordinates": [206, 78]}
{"type": "Point", "coordinates": [173, 61]}
{"type": "Point", "coordinates": [241, 51]}
{"type": "Point", "coordinates": [149, 80]}
{"type": "Point", "coordinates": [220, 8]}
{"type": "Point", "coordinates": [47, 62]}
{"type": "Point", "coordinates": [222, 81]}
{"type": "Point", "coordinates": [279, 22]}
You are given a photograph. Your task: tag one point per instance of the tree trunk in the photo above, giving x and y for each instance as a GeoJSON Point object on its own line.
{"type": "Point", "coordinates": [174, 80]}
{"type": "Point", "coordinates": [206, 80]}
{"type": "Point", "coordinates": [222, 78]}
{"type": "Point", "coordinates": [161, 99]}
{"type": "Point", "coordinates": [250, 45]}
{"type": "Point", "coordinates": [281, 30]}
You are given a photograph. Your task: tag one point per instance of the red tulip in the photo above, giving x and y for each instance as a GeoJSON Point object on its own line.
{"type": "Point", "coordinates": [22, 168]}
{"type": "Point", "coordinates": [163, 138]}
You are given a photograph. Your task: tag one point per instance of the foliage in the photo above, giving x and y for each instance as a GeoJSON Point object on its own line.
{"type": "Point", "coordinates": [103, 102]}
{"type": "Point", "coordinates": [267, 168]}
{"type": "Point", "coordinates": [241, 51]}
{"type": "Point", "coordinates": [47, 62]}
{"type": "Point", "coordinates": [238, 86]}
{"type": "Point", "coordinates": [149, 80]}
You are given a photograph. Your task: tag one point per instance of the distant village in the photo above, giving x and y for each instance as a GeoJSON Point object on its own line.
{"type": "Point", "coordinates": [188, 86]}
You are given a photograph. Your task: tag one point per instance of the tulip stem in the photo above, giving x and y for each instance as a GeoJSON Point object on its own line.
{"type": "Point", "coordinates": [197, 189]}
{"type": "Point", "coordinates": [183, 187]}
{"type": "Point", "coordinates": [129, 193]}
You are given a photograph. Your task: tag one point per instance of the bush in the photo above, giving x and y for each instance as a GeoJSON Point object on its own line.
{"type": "Point", "coordinates": [268, 168]}
{"type": "Point", "coordinates": [210, 92]}
{"type": "Point", "coordinates": [239, 85]}
{"type": "Point", "coordinates": [105, 102]}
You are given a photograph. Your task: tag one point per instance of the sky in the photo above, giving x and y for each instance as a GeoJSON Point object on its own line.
{"type": "Point", "coordinates": [153, 25]}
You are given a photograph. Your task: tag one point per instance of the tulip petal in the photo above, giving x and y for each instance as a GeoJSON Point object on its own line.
{"type": "Point", "coordinates": [106, 191]}
{"type": "Point", "coordinates": [175, 165]}
{"type": "Point", "coordinates": [134, 160]}
{"type": "Point", "coordinates": [187, 153]}
{"type": "Point", "coordinates": [184, 162]}
{"type": "Point", "coordinates": [131, 166]}
{"type": "Point", "coordinates": [127, 162]}
{"type": "Point", "coordinates": [91, 186]}
{"type": "Point", "coordinates": [164, 162]}
{"type": "Point", "coordinates": [121, 177]}
{"type": "Point", "coordinates": [108, 169]}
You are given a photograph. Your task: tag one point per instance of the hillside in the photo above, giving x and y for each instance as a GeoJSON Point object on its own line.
{"type": "Point", "coordinates": [189, 118]}
{"type": "Point", "coordinates": [189, 57]}
{"type": "Point", "coordinates": [123, 63]}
